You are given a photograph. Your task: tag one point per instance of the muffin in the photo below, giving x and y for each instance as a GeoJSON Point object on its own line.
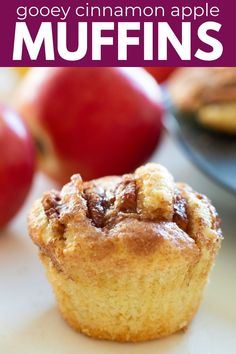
{"type": "Point", "coordinates": [208, 92]}
{"type": "Point", "coordinates": [127, 257]}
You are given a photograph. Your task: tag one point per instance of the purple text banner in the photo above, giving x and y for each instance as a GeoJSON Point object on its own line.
{"type": "Point", "coordinates": [118, 33]}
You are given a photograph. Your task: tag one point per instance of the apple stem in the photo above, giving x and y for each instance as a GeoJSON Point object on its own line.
{"type": "Point", "coordinates": [40, 146]}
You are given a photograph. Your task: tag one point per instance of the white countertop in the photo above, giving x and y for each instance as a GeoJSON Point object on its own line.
{"type": "Point", "coordinates": [31, 324]}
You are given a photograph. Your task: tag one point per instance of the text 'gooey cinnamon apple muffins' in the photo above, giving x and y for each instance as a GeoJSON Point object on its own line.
{"type": "Point", "coordinates": [128, 256]}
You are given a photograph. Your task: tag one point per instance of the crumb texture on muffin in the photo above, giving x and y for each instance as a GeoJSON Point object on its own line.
{"type": "Point", "coordinates": [128, 256]}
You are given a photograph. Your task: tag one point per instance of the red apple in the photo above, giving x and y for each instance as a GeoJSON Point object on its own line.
{"type": "Point", "coordinates": [17, 162]}
{"type": "Point", "coordinates": [160, 74]}
{"type": "Point", "coordinates": [95, 121]}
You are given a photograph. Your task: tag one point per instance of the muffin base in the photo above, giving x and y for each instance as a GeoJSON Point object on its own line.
{"type": "Point", "coordinates": [220, 117]}
{"type": "Point", "coordinates": [105, 313]}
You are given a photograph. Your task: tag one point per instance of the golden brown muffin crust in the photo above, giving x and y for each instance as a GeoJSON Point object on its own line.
{"type": "Point", "coordinates": [142, 214]}
{"type": "Point", "coordinates": [128, 257]}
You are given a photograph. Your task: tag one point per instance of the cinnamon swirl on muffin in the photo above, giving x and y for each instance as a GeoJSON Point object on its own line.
{"type": "Point", "coordinates": [128, 257]}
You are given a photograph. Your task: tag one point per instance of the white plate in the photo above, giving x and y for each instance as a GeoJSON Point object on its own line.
{"type": "Point", "coordinates": [31, 324]}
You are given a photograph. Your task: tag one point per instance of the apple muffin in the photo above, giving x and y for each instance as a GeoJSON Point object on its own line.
{"type": "Point", "coordinates": [128, 257]}
{"type": "Point", "coordinates": [208, 92]}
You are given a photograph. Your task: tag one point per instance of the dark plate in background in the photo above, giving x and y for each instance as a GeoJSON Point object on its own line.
{"type": "Point", "coordinates": [213, 153]}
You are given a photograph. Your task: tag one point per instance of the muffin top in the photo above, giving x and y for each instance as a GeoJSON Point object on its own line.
{"type": "Point", "coordinates": [191, 88]}
{"type": "Point", "coordinates": [118, 222]}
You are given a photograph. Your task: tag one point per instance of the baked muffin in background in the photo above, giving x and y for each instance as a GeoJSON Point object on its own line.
{"type": "Point", "coordinates": [128, 257]}
{"type": "Point", "coordinates": [208, 92]}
